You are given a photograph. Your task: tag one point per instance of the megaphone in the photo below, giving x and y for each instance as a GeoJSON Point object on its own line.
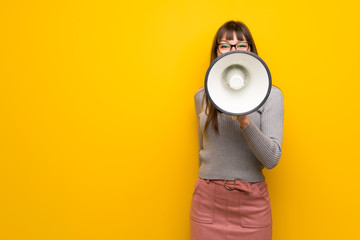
{"type": "Point", "coordinates": [238, 83]}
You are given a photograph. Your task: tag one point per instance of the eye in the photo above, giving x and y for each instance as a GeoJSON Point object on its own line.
{"type": "Point", "coordinates": [242, 45]}
{"type": "Point", "coordinates": [224, 46]}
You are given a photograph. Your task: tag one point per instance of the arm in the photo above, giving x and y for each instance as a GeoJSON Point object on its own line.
{"type": "Point", "coordinates": [266, 142]}
{"type": "Point", "coordinates": [198, 108]}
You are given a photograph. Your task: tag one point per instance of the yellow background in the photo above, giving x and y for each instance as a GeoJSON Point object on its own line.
{"type": "Point", "coordinates": [98, 125]}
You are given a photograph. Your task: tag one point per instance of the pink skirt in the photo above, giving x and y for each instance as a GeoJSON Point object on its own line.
{"type": "Point", "coordinates": [238, 211]}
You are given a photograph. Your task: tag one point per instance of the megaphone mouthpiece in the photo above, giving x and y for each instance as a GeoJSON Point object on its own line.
{"type": "Point", "coordinates": [235, 78]}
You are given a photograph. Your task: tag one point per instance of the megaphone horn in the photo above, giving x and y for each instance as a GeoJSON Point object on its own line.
{"type": "Point", "coordinates": [238, 83]}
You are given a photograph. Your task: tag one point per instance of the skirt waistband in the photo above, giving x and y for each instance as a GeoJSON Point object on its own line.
{"type": "Point", "coordinates": [235, 184]}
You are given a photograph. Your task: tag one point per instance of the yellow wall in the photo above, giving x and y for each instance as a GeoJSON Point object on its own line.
{"type": "Point", "coordinates": [98, 126]}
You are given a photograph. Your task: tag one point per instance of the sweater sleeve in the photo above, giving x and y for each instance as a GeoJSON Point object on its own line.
{"type": "Point", "coordinates": [266, 142]}
{"type": "Point", "coordinates": [198, 108]}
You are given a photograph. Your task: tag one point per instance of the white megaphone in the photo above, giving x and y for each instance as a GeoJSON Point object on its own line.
{"type": "Point", "coordinates": [238, 83]}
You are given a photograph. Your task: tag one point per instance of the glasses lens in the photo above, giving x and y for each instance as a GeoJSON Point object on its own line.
{"type": "Point", "coordinates": [224, 48]}
{"type": "Point", "coordinates": [242, 46]}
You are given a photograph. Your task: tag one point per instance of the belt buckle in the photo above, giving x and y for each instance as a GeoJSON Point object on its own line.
{"type": "Point", "coordinates": [230, 189]}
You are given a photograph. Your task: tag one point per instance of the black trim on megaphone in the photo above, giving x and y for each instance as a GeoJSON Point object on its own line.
{"type": "Point", "coordinates": [224, 55]}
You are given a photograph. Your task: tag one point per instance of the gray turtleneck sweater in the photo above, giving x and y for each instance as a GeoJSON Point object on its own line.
{"type": "Point", "coordinates": [241, 153]}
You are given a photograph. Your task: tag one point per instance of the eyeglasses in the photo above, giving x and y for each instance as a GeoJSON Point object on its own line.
{"type": "Point", "coordinates": [226, 47]}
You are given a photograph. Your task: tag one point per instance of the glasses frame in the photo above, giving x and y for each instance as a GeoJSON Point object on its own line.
{"type": "Point", "coordinates": [231, 46]}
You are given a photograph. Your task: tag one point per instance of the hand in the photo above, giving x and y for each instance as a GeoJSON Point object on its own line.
{"type": "Point", "coordinates": [243, 120]}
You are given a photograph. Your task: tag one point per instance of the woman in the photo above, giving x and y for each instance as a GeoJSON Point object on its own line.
{"type": "Point", "coordinates": [231, 199]}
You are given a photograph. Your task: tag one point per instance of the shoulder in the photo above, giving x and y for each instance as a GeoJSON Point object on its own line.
{"type": "Point", "coordinates": [275, 94]}
{"type": "Point", "coordinates": [199, 94]}
{"type": "Point", "coordinates": [275, 91]}
{"type": "Point", "coordinates": [198, 99]}
{"type": "Point", "coordinates": [275, 99]}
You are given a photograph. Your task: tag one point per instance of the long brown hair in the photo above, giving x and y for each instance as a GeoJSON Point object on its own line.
{"type": "Point", "coordinates": [227, 28]}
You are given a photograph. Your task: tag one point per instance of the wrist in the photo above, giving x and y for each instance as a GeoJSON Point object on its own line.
{"type": "Point", "coordinates": [244, 122]}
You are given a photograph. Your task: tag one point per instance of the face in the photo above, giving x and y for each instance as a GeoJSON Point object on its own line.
{"type": "Point", "coordinates": [241, 45]}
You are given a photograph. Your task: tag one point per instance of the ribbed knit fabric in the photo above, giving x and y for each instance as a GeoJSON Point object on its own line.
{"type": "Point", "coordinates": [237, 153]}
